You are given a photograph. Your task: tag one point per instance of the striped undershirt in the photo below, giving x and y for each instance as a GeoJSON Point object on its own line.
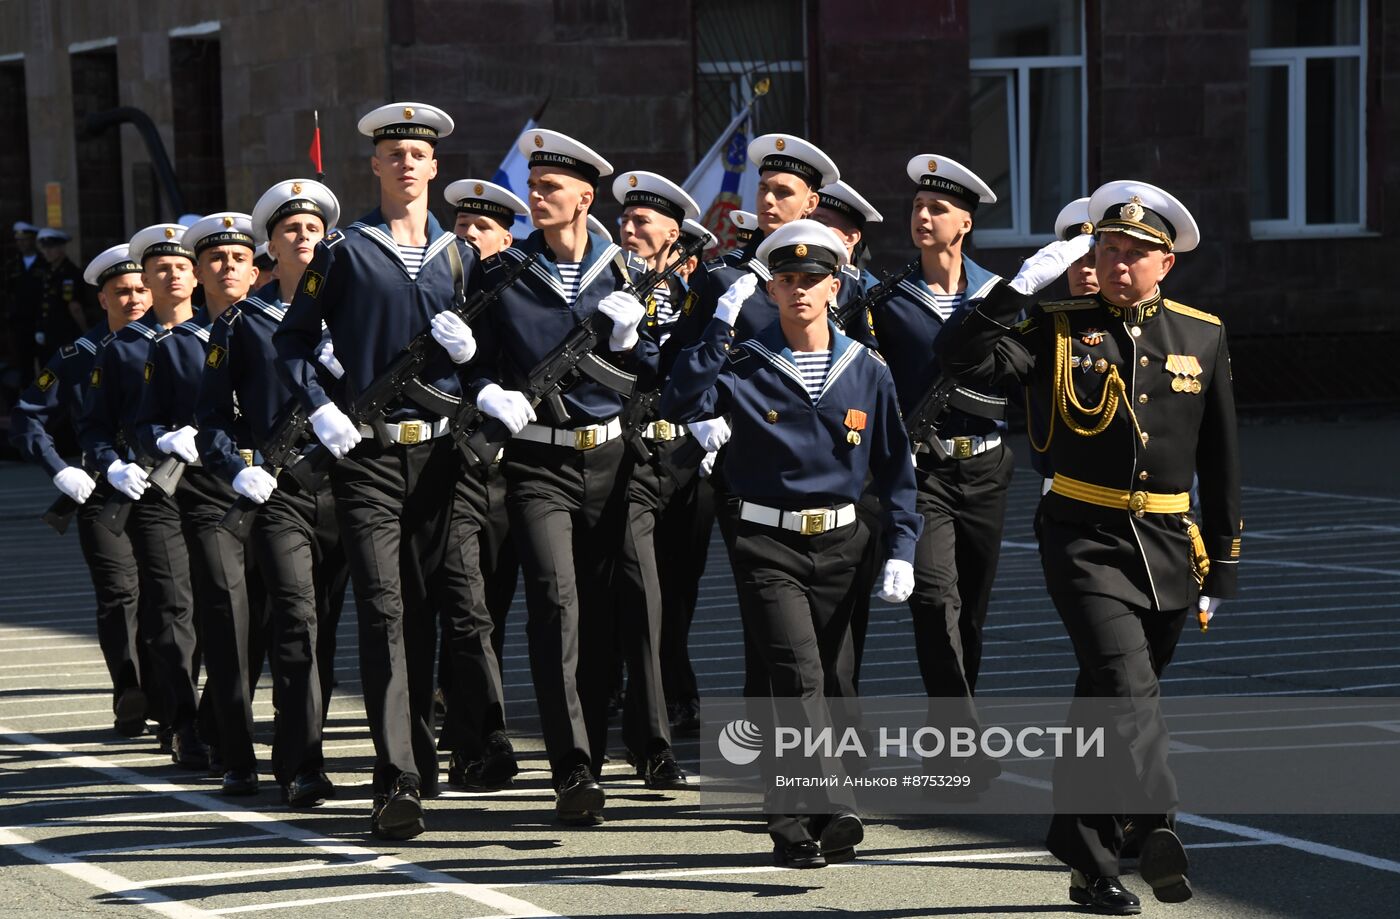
{"type": "Point", "coordinates": [568, 273]}
{"type": "Point", "coordinates": [412, 258]}
{"type": "Point", "coordinates": [948, 304]}
{"type": "Point", "coordinates": [813, 366]}
{"type": "Point", "coordinates": [665, 310]}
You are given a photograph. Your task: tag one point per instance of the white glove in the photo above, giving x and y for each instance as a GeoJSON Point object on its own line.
{"type": "Point", "coordinates": [455, 336]}
{"type": "Point", "coordinates": [74, 483]}
{"type": "Point", "coordinates": [39, 338]}
{"type": "Point", "coordinates": [711, 434]}
{"type": "Point", "coordinates": [626, 312]}
{"type": "Point", "coordinates": [508, 406]}
{"type": "Point", "coordinates": [1050, 262]}
{"type": "Point", "coordinates": [733, 300]}
{"type": "Point", "coordinates": [899, 581]}
{"type": "Point", "coordinates": [707, 464]}
{"type": "Point", "coordinates": [325, 354]}
{"type": "Point", "coordinates": [334, 429]}
{"type": "Point", "coordinates": [128, 478]}
{"type": "Point", "coordinates": [1208, 605]}
{"type": "Point", "coordinates": [179, 442]}
{"type": "Point", "coordinates": [255, 483]}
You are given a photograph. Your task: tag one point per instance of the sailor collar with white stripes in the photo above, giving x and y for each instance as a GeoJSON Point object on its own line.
{"type": "Point", "coordinates": [772, 347]}
{"type": "Point", "coordinates": [600, 255]}
{"type": "Point", "coordinates": [379, 234]}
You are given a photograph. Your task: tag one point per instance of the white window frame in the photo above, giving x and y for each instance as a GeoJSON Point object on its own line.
{"type": "Point", "coordinates": [1295, 62]}
{"type": "Point", "coordinates": [1019, 128]}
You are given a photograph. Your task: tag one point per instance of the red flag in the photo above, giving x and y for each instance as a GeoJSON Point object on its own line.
{"type": "Point", "coordinates": [315, 151]}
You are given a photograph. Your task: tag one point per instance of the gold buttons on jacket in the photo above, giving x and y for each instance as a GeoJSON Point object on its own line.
{"type": "Point", "coordinates": [1143, 475]}
{"type": "Point", "coordinates": [1137, 332]}
{"type": "Point", "coordinates": [1142, 361]}
{"type": "Point", "coordinates": [1142, 399]}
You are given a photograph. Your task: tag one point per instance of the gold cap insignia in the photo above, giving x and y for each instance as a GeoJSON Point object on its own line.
{"type": "Point", "coordinates": [781, 144]}
{"type": "Point", "coordinates": [408, 113]}
{"type": "Point", "coordinates": [478, 188]}
{"type": "Point", "coordinates": [539, 141]}
{"type": "Point", "coordinates": [771, 417]}
{"type": "Point", "coordinates": [1086, 228]}
{"type": "Point", "coordinates": [932, 165]}
{"type": "Point", "coordinates": [296, 188]}
{"type": "Point", "coordinates": [631, 181]}
{"type": "Point", "coordinates": [800, 251]}
{"type": "Point", "coordinates": [169, 232]}
{"type": "Point", "coordinates": [228, 222]}
{"type": "Point", "coordinates": [1132, 210]}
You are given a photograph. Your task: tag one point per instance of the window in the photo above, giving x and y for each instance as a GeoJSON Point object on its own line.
{"type": "Point", "coordinates": [1028, 118]}
{"type": "Point", "coordinates": [15, 200]}
{"type": "Point", "coordinates": [101, 207]}
{"type": "Point", "coordinates": [1307, 117]}
{"type": "Point", "coordinates": [196, 98]}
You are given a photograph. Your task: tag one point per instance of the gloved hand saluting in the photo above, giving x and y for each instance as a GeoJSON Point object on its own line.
{"type": "Point", "coordinates": [733, 299]}
{"type": "Point", "coordinates": [1050, 262]}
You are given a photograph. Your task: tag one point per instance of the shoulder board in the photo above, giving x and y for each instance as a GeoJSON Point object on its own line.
{"type": "Point", "coordinates": [162, 335]}
{"type": "Point", "coordinates": [715, 264]}
{"type": "Point", "coordinates": [873, 353]}
{"type": "Point", "coordinates": [68, 351]}
{"type": "Point", "coordinates": [1189, 311]}
{"type": "Point", "coordinates": [850, 271]}
{"type": "Point", "coordinates": [107, 339]}
{"type": "Point", "coordinates": [231, 314]}
{"type": "Point", "coordinates": [738, 353]}
{"type": "Point", "coordinates": [333, 238]}
{"type": "Point", "coordinates": [1060, 306]}
{"type": "Point", "coordinates": [636, 263]}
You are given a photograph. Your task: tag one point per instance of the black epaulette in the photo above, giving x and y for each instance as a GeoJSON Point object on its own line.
{"type": "Point", "coordinates": [231, 314]}
{"type": "Point", "coordinates": [636, 263]}
{"type": "Point", "coordinates": [1079, 303]}
{"type": "Point", "coordinates": [715, 264]}
{"type": "Point", "coordinates": [161, 336]}
{"type": "Point", "coordinates": [875, 354]}
{"type": "Point", "coordinates": [68, 351]}
{"type": "Point", "coordinates": [107, 339]}
{"type": "Point", "coordinates": [334, 237]}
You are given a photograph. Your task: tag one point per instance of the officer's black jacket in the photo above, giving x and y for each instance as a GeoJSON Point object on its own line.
{"type": "Point", "coordinates": [56, 391]}
{"type": "Point", "coordinates": [107, 429]}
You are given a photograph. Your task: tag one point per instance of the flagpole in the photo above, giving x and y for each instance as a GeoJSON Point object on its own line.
{"type": "Point", "coordinates": [316, 117]}
{"type": "Point", "coordinates": [760, 89]}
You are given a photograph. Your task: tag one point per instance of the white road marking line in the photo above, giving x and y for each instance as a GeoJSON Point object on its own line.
{"type": "Point", "coordinates": [163, 846]}
{"type": "Point", "coordinates": [317, 864]}
{"type": "Point", "coordinates": [413, 890]}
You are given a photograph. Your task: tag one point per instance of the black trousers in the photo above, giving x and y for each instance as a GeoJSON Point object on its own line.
{"type": "Point", "coordinates": [296, 542]}
{"type": "Point", "coordinates": [568, 515]}
{"type": "Point", "coordinates": [871, 565]}
{"type": "Point", "coordinates": [166, 609]}
{"type": "Point", "coordinates": [802, 588]}
{"type": "Point", "coordinates": [500, 564]}
{"type": "Point", "coordinates": [683, 531]}
{"type": "Point", "coordinates": [111, 562]}
{"type": "Point", "coordinates": [726, 510]}
{"type": "Point", "coordinates": [230, 617]}
{"type": "Point", "coordinates": [394, 511]}
{"type": "Point", "coordinates": [963, 503]}
{"type": "Point", "coordinates": [470, 670]}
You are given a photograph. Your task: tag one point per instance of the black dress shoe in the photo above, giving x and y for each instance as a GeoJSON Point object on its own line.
{"type": "Point", "coordinates": [308, 790]}
{"type": "Point", "coordinates": [498, 766]}
{"type": "Point", "coordinates": [165, 738]}
{"type": "Point", "coordinates": [133, 727]}
{"type": "Point", "coordinates": [805, 854]}
{"type": "Point", "coordinates": [662, 771]}
{"type": "Point", "coordinates": [236, 783]}
{"type": "Point", "coordinates": [399, 814]}
{"type": "Point", "coordinates": [187, 750]}
{"type": "Point", "coordinates": [1103, 894]}
{"type": "Point", "coordinates": [580, 799]}
{"type": "Point", "coordinates": [130, 706]}
{"type": "Point", "coordinates": [840, 836]}
{"type": "Point", "coordinates": [686, 721]}
{"type": "Point", "coordinates": [1163, 865]}
{"type": "Point", "coordinates": [216, 762]}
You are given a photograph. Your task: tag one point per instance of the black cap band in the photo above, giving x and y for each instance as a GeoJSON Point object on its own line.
{"type": "Point", "coordinates": [1077, 229]}
{"type": "Point", "coordinates": [1139, 221]}
{"type": "Point", "coordinates": [741, 235]}
{"type": "Point", "coordinates": [639, 198]}
{"type": "Point", "coordinates": [777, 162]}
{"type": "Point", "coordinates": [125, 266]}
{"type": "Point", "coordinates": [294, 206]}
{"type": "Point", "coordinates": [563, 161]}
{"type": "Point", "coordinates": [832, 203]}
{"type": "Point", "coordinates": [223, 238]}
{"type": "Point", "coordinates": [804, 258]}
{"type": "Point", "coordinates": [167, 247]}
{"type": "Point", "coordinates": [948, 187]}
{"type": "Point", "coordinates": [497, 212]}
{"type": "Point", "coordinates": [406, 131]}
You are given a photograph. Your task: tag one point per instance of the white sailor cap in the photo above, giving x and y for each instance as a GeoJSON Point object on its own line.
{"type": "Point", "coordinates": [477, 196]}
{"type": "Point", "coordinates": [226, 228]}
{"type": "Point", "coordinates": [542, 147]}
{"type": "Point", "coordinates": [1074, 220]}
{"type": "Point", "coordinates": [406, 121]}
{"type": "Point", "coordinates": [803, 246]}
{"type": "Point", "coordinates": [159, 239]}
{"type": "Point", "coordinates": [294, 196]}
{"type": "Point", "coordinates": [842, 198]}
{"type": "Point", "coordinates": [785, 153]}
{"type": "Point", "coordinates": [934, 172]}
{"type": "Point", "coordinates": [694, 229]}
{"type": "Point", "coordinates": [745, 223]}
{"type": "Point", "coordinates": [112, 262]}
{"type": "Point", "coordinates": [262, 252]}
{"type": "Point", "coordinates": [596, 226]}
{"type": "Point", "coordinates": [49, 236]}
{"type": "Point", "coordinates": [1144, 212]}
{"type": "Point", "coordinates": [188, 220]}
{"type": "Point", "coordinates": [647, 189]}
{"type": "Point", "coordinates": [24, 226]}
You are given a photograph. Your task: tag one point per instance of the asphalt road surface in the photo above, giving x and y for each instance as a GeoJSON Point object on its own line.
{"type": "Point", "coordinates": [94, 824]}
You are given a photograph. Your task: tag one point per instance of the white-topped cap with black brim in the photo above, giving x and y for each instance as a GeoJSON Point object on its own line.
{"type": "Point", "coordinates": [477, 196]}
{"type": "Point", "coordinates": [596, 226]}
{"type": "Point", "coordinates": [1143, 212]}
{"type": "Point", "coordinates": [647, 189]}
{"type": "Point", "coordinates": [111, 262]}
{"type": "Point", "coordinates": [406, 121]}
{"type": "Point", "coordinates": [745, 225]}
{"type": "Point", "coordinates": [692, 230]}
{"type": "Point", "coordinates": [159, 239]}
{"type": "Point", "coordinates": [49, 236]}
{"type": "Point", "coordinates": [934, 172]}
{"type": "Point", "coordinates": [550, 149]}
{"type": "Point", "coordinates": [803, 246]}
{"type": "Point", "coordinates": [24, 226]}
{"type": "Point", "coordinates": [226, 228]}
{"type": "Point", "coordinates": [294, 196]}
{"type": "Point", "coordinates": [842, 198]}
{"type": "Point", "coordinates": [786, 153]}
{"type": "Point", "coordinates": [1073, 220]}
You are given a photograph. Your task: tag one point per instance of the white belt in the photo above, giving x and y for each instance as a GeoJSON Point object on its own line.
{"type": "Point", "coordinates": [808, 522]}
{"type": "Point", "coordinates": [663, 431]}
{"type": "Point", "coordinates": [970, 445]}
{"type": "Point", "coordinates": [584, 438]}
{"type": "Point", "coordinates": [410, 432]}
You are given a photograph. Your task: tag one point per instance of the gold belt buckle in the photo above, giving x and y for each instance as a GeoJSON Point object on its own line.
{"type": "Point", "coordinates": [962, 447]}
{"type": "Point", "coordinates": [813, 523]}
{"type": "Point", "coordinates": [410, 432]}
{"type": "Point", "coordinates": [247, 457]}
{"type": "Point", "coordinates": [663, 431]}
{"type": "Point", "coordinates": [1137, 502]}
{"type": "Point", "coordinates": [586, 439]}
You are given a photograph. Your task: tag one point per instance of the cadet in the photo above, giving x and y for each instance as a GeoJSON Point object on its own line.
{"type": "Point", "coordinates": [109, 439]}
{"type": "Point", "coordinates": [745, 225]}
{"type": "Point", "coordinates": [295, 539]}
{"type": "Point", "coordinates": [566, 477]}
{"type": "Point", "coordinates": [813, 413]}
{"type": "Point", "coordinates": [963, 469]}
{"type": "Point", "coordinates": [1139, 398]}
{"type": "Point", "coordinates": [474, 588]}
{"type": "Point", "coordinates": [24, 294]}
{"type": "Point", "coordinates": [377, 284]}
{"type": "Point", "coordinates": [59, 391]}
{"type": "Point", "coordinates": [61, 314]}
{"type": "Point", "coordinates": [1073, 220]}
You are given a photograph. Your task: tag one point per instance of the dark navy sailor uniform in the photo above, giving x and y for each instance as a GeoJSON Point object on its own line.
{"type": "Point", "coordinates": [58, 391]}
{"type": "Point", "coordinates": [1137, 401]}
{"type": "Point", "coordinates": [295, 539]}
{"type": "Point", "coordinates": [63, 284]}
{"type": "Point", "coordinates": [390, 500]}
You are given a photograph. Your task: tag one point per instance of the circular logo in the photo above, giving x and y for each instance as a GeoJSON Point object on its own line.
{"type": "Point", "coordinates": [1132, 210]}
{"type": "Point", "coordinates": [631, 181]}
{"type": "Point", "coordinates": [800, 251]}
{"type": "Point", "coordinates": [408, 113]}
{"type": "Point", "coordinates": [932, 165]}
{"type": "Point", "coordinates": [169, 233]}
{"type": "Point", "coordinates": [740, 742]}
{"type": "Point", "coordinates": [296, 188]}
{"type": "Point", "coordinates": [228, 222]}
{"type": "Point", "coordinates": [1086, 228]}
{"type": "Point", "coordinates": [780, 144]}
{"type": "Point", "coordinates": [539, 141]}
